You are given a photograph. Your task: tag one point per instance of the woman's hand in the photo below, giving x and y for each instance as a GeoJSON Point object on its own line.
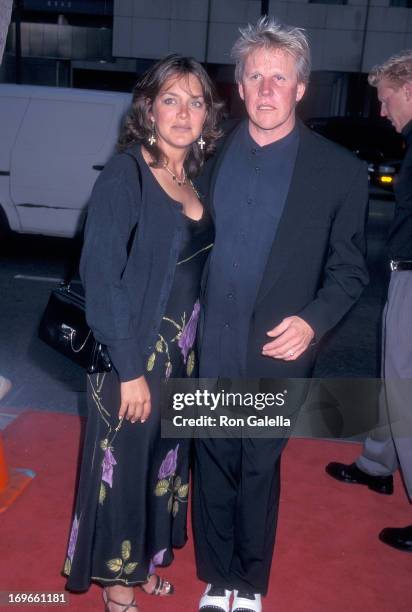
{"type": "Point", "coordinates": [135, 400]}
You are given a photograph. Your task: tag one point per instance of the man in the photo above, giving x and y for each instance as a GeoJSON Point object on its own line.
{"type": "Point", "coordinates": [287, 264]}
{"type": "Point", "coordinates": [389, 447]}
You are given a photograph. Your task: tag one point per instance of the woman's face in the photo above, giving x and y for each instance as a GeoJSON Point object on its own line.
{"type": "Point", "coordinates": [179, 112]}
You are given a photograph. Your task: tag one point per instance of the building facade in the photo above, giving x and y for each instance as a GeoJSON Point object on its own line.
{"type": "Point", "coordinates": [104, 43]}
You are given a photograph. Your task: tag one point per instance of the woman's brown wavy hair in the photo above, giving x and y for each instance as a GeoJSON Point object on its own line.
{"type": "Point", "coordinates": [137, 127]}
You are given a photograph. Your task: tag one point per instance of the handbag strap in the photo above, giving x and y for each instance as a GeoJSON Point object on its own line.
{"type": "Point", "coordinates": [139, 178]}
{"type": "Point", "coordinates": [138, 168]}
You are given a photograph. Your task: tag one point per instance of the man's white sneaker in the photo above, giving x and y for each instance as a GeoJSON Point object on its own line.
{"type": "Point", "coordinates": [215, 599]}
{"type": "Point", "coordinates": [247, 602]}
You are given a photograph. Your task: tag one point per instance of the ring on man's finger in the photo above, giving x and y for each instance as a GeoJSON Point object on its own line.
{"type": "Point", "coordinates": [291, 353]}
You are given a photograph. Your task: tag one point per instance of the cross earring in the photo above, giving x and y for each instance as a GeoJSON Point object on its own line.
{"type": "Point", "coordinates": [152, 137]}
{"type": "Point", "coordinates": [201, 142]}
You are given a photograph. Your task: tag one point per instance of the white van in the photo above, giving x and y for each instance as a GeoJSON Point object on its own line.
{"type": "Point", "coordinates": [53, 144]}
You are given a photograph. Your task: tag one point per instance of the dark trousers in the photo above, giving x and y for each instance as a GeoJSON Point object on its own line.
{"type": "Point", "coordinates": [235, 508]}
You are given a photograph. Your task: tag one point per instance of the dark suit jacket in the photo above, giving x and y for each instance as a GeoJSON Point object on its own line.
{"type": "Point", "coordinates": [316, 267]}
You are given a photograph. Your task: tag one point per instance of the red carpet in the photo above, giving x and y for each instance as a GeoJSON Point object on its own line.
{"type": "Point", "coordinates": [328, 557]}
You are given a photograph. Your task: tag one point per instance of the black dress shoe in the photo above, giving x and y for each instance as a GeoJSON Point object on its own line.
{"type": "Point", "coordinates": [398, 537]}
{"type": "Point", "coordinates": [352, 474]}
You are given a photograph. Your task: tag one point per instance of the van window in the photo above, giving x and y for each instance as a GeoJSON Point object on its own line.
{"type": "Point", "coordinates": [58, 148]}
{"type": "Point", "coordinates": [63, 125]}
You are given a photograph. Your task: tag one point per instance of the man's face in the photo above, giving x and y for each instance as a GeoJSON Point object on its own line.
{"type": "Point", "coordinates": [270, 91]}
{"type": "Point", "coordinates": [396, 103]}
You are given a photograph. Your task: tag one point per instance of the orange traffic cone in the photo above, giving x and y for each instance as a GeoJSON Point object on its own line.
{"type": "Point", "coordinates": [12, 482]}
{"type": "Point", "coordinates": [4, 473]}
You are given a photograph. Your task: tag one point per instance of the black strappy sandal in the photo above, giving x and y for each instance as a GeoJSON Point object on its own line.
{"type": "Point", "coordinates": [162, 588]}
{"type": "Point", "coordinates": [107, 600]}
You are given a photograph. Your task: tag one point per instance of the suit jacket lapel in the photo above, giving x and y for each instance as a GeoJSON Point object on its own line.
{"type": "Point", "coordinates": [303, 193]}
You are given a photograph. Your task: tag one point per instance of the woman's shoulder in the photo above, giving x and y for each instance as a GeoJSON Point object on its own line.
{"type": "Point", "coordinates": [118, 185]}
{"type": "Point", "coordinates": [123, 165]}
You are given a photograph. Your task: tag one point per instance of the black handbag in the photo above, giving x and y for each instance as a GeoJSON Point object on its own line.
{"type": "Point", "coordinates": [63, 326]}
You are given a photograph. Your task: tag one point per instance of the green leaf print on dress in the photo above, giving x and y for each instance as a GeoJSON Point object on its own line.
{"type": "Point", "coordinates": [118, 565]}
{"type": "Point", "coordinates": [169, 482]}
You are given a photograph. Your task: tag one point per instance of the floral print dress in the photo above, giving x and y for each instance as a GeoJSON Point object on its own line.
{"type": "Point", "coordinates": [131, 504]}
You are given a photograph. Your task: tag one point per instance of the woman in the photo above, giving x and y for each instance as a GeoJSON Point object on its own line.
{"type": "Point", "coordinates": [146, 240]}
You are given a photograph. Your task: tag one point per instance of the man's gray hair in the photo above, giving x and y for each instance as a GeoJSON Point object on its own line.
{"type": "Point", "coordinates": [397, 69]}
{"type": "Point", "coordinates": [271, 34]}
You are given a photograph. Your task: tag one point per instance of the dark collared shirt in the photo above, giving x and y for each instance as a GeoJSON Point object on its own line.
{"type": "Point", "coordinates": [400, 231]}
{"type": "Point", "coordinates": [250, 193]}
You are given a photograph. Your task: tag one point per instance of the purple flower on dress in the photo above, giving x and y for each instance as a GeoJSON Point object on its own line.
{"type": "Point", "coordinates": [108, 462]}
{"type": "Point", "coordinates": [73, 538]}
{"type": "Point", "coordinates": [188, 335]}
{"type": "Point", "coordinates": [169, 464]}
{"type": "Point", "coordinates": [157, 560]}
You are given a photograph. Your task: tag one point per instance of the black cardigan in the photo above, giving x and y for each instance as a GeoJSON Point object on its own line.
{"type": "Point", "coordinates": [127, 285]}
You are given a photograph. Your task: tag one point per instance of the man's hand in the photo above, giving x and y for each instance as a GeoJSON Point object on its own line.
{"type": "Point", "coordinates": [293, 336]}
{"type": "Point", "coordinates": [135, 400]}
